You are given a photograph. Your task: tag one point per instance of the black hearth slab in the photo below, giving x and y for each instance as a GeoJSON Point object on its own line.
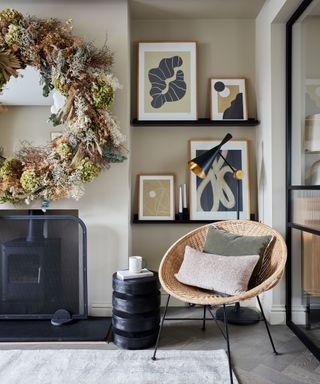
{"type": "Point", "coordinates": [92, 329]}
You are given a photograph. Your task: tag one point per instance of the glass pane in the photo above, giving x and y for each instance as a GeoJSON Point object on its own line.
{"type": "Point", "coordinates": [306, 208]}
{"type": "Point", "coordinates": [306, 98]}
{"type": "Point", "coordinates": [306, 283]}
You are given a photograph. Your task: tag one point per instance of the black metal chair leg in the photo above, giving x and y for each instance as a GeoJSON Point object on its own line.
{"type": "Point", "coordinates": [227, 339]}
{"type": "Point", "coordinates": [160, 329]}
{"type": "Point", "coordinates": [204, 318]}
{"type": "Point", "coordinates": [109, 334]}
{"type": "Point", "coordinates": [266, 324]}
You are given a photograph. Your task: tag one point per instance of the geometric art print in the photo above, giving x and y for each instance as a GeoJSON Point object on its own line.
{"type": "Point", "coordinates": [228, 99]}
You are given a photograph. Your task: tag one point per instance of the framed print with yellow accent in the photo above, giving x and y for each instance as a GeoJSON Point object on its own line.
{"type": "Point", "coordinates": [228, 99]}
{"type": "Point", "coordinates": [167, 81]}
{"type": "Point", "coordinates": [156, 197]}
{"type": "Point", "coordinates": [215, 197]}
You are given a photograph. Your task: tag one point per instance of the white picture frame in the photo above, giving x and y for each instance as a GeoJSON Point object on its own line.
{"type": "Point", "coordinates": [167, 81]}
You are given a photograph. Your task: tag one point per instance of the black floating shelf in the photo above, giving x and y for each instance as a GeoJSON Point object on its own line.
{"type": "Point", "coordinates": [195, 123]}
{"type": "Point", "coordinates": [137, 221]}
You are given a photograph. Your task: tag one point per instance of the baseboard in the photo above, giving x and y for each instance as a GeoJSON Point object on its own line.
{"type": "Point", "coordinates": [298, 315]}
{"type": "Point", "coordinates": [100, 309]}
{"type": "Point", "coordinates": [105, 309]}
{"type": "Point", "coordinates": [276, 315]}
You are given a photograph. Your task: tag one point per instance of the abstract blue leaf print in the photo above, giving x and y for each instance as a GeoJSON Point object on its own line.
{"type": "Point", "coordinates": [162, 91]}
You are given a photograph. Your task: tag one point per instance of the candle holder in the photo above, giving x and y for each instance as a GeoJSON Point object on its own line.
{"type": "Point", "coordinates": [185, 214]}
{"type": "Point", "coordinates": [180, 216]}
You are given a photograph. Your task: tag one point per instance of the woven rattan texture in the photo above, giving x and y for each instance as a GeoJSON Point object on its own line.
{"type": "Point", "coordinates": [269, 276]}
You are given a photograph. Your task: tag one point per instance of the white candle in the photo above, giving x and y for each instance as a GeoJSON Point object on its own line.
{"type": "Point", "coordinates": [180, 199]}
{"type": "Point", "coordinates": [185, 196]}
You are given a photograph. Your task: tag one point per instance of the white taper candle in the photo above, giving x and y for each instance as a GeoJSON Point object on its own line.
{"type": "Point", "coordinates": [185, 205]}
{"type": "Point", "coordinates": [180, 199]}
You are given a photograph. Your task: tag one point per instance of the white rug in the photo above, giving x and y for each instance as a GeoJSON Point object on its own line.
{"type": "Point", "coordinates": [114, 367]}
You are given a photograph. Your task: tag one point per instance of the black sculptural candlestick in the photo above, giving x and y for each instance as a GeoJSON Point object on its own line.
{"type": "Point", "coordinates": [185, 210]}
{"type": "Point", "coordinates": [185, 214]}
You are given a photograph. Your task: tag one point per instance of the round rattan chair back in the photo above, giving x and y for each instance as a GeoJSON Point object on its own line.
{"type": "Point", "coordinates": [270, 273]}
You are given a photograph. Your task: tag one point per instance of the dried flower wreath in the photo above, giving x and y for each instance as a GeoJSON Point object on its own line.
{"type": "Point", "coordinates": [82, 74]}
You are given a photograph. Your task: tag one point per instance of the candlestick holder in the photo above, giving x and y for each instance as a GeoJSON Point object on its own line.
{"type": "Point", "coordinates": [185, 214]}
{"type": "Point", "coordinates": [179, 216]}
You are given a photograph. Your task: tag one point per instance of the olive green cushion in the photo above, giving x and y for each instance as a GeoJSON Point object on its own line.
{"type": "Point", "coordinates": [224, 243]}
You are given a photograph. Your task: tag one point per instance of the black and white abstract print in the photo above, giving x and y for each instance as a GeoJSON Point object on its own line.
{"type": "Point", "coordinates": [217, 192]}
{"type": "Point", "coordinates": [167, 82]}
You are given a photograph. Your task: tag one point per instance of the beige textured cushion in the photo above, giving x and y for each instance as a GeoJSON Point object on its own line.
{"type": "Point", "coordinates": [224, 274]}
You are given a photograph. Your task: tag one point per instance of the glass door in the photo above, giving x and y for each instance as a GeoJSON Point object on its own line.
{"type": "Point", "coordinates": [303, 164]}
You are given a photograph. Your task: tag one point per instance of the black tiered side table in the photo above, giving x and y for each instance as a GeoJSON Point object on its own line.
{"type": "Point", "coordinates": [136, 311]}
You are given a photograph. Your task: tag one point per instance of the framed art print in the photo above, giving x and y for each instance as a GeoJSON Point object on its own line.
{"type": "Point", "coordinates": [167, 81]}
{"type": "Point", "coordinates": [156, 197]}
{"type": "Point", "coordinates": [215, 197]}
{"type": "Point", "coordinates": [228, 99]}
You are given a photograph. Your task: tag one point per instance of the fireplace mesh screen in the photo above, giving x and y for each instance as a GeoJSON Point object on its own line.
{"type": "Point", "coordinates": [43, 265]}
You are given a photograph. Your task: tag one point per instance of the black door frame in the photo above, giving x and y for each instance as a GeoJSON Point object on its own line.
{"type": "Point", "coordinates": [290, 225]}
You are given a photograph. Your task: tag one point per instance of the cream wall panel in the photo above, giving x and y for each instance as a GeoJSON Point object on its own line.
{"type": "Point", "coordinates": [271, 140]}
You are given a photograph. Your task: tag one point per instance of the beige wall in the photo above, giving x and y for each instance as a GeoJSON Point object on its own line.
{"type": "Point", "coordinates": [225, 48]}
{"type": "Point", "coordinates": [106, 205]}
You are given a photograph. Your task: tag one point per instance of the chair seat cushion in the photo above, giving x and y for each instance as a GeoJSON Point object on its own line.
{"type": "Point", "coordinates": [230, 244]}
{"type": "Point", "coordinates": [224, 274]}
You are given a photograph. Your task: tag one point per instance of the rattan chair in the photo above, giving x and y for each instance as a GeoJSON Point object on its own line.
{"type": "Point", "coordinates": [270, 274]}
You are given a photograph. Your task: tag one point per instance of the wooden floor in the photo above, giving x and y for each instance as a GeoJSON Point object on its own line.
{"type": "Point", "coordinates": [252, 357]}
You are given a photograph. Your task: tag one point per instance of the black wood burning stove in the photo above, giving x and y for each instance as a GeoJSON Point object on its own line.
{"type": "Point", "coordinates": [31, 267]}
